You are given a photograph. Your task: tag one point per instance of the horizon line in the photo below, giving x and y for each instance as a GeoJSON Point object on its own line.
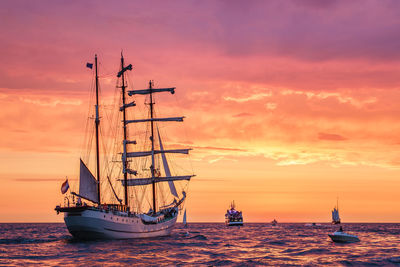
{"type": "Point", "coordinates": [224, 222]}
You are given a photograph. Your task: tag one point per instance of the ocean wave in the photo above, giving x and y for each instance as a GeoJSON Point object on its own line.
{"type": "Point", "coordinates": [198, 237]}
{"type": "Point", "coordinates": [206, 244]}
{"type": "Point", "coordinates": [276, 242]}
{"type": "Point", "coordinates": [21, 240]}
{"type": "Point", "coordinates": [394, 259]}
{"type": "Point", "coordinates": [316, 251]}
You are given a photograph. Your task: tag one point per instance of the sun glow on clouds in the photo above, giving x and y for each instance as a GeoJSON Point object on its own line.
{"type": "Point", "coordinates": [289, 101]}
{"type": "Point", "coordinates": [258, 96]}
{"type": "Point", "coordinates": [338, 96]}
{"type": "Point", "coordinates": [51, 102]}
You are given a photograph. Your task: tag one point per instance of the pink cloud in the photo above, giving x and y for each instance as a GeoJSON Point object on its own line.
{"type": "Point", "coordinates": [331, 137]}
{"type": "Point", "coordinates": [243, 114]}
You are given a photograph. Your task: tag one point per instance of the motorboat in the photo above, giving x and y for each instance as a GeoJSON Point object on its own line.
{"type": "Point", "coordinates": [342, 237]}
{"type": "Point", "coordinates": [233, 217]}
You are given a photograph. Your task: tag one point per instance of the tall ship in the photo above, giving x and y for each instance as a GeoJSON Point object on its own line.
{"type": "Point", "coordinates": [335, 214]}
{"type": "Point", "coordinates": [135, 191]}
{"type": "Point", "coordinates": [233, 217]}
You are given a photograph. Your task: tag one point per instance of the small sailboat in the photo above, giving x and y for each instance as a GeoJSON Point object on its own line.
{"type": "Point", "coordinates": [342, 237]}
{"type": "Point", "coordinates": [233, 217]}
{"type": "Point", "coordinates": [335, 214]}
{"type": "Point", "coordinates": [133, 193]}
{"type": "Point", "coordinates": [274, 222]}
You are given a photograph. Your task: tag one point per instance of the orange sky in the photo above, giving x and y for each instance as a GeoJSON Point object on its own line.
{"type": "Point", "coordinates": [288, 105]}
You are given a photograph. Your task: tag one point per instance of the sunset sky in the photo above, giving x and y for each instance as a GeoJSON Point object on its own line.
{"type": "Point", "coordinates": [288, 104]}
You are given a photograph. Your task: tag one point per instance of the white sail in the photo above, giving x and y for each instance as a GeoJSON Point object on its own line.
{"type": "Point", "coordinates": [166, 168]}
{"type": "Point", "coordinates": [335, 215]}
{"type": "Point", "coordinates": [184, 219]}
{"type": "Point", "coordinates": [87, 184]}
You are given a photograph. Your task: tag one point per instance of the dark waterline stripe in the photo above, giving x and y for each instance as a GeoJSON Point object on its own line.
{"type": "Point", "coordinates": [134, 232]}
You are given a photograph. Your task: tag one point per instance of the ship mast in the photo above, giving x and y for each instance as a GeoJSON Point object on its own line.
{"type": "Point", "coordinates": [152, 147]}
{"type": "Point", "coordinates": [125, 162]}
{"type": "Point", "coordinates": [153, 179]}
{"type": "Point", "coordinates": [337, 203]}
{"type": "Point", "coordinates": [97, 123]}
{"type": "Point", "coordinates": [126, 171]}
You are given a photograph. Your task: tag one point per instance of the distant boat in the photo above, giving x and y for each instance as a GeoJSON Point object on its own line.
{"type": "Point", "coordinates": [111, 216]}
{"type": "Point", "coordinates": [313, 224]}
{"type": "Point", "coordinates": [233, 217]}
{"type": "Point", "coordinates": [274, 222]}
{"type": "Point", "coordinates": [342, 237]}
{"type": "Point", "coordinates": [335, 214]}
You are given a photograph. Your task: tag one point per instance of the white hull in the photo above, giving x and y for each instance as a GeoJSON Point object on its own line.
{"type": "Point", "coordinates": [234, 223]}
{"type": "Point", "coordinates": [343, 237]}
{"type": "Point", "coordinates": [95, 224]}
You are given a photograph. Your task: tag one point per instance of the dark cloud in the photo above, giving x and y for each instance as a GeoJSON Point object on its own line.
{"type": "Point", "coordinates": [311, 30]}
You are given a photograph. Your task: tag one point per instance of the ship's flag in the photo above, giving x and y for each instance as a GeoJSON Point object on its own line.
{"type": "Point", "coordinates": [89, 65]}
{"type": "Point", "coordinates": [65, 187]}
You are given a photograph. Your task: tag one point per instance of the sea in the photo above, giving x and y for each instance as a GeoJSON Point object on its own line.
{"type": "Point", "coordinates": [205, 244]}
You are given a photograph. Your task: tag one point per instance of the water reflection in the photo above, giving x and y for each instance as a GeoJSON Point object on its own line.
{"type": "Point", "coordinates": [207, 244]}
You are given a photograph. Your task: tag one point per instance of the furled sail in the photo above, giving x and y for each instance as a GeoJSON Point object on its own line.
{"type": "Point", "coordinates": [166, 168]}
{"type": "Point", "coordinates": [149, 153]}
{"type": "Point", "coordinates": [151, 219]}
{"type": "Point", "coordinates": [132, 104]}
{"type": "Point", "coordinates": [155, 119]}
{"type": "Point", "coordinates": [87, 184]}
{"type": "Point", "coordinates": [148, 91]}
{"type": "Point", "coordinates": [129, 171]}
{"type": "Point", "coordinates": [129, 67]}
{"type": "Point", "coordinates": [146, 181]}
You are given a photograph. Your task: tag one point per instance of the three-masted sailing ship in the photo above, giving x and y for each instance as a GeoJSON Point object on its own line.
{"type": "Point", "coordinates": [89, 215]}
